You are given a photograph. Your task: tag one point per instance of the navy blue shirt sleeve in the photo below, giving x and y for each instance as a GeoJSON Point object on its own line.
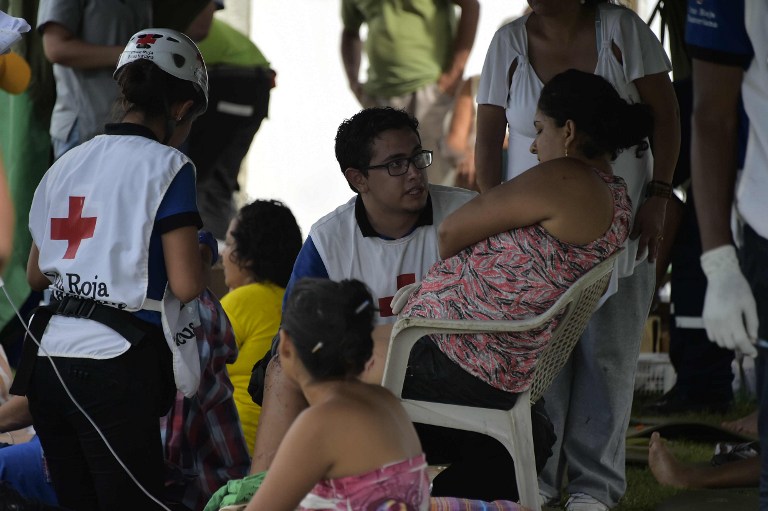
{"type": "Point", "coordinates": [715, 32]}
{"type": "Point", "coordinates": [308, 264]}
{"type": "Point", "coordinates": [177, 209]}
{"type": "Point", "coordinates": [179, 205]}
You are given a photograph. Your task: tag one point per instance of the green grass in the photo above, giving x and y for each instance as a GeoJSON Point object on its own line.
{"type": "Point", "coordinates": [643, 492]}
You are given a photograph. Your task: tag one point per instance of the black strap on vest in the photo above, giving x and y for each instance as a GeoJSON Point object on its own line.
{"type": "Point", "coordinates": [123, 322]}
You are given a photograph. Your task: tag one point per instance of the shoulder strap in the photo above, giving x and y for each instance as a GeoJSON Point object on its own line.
{"type": "Point", "coordinates": [598, 29]}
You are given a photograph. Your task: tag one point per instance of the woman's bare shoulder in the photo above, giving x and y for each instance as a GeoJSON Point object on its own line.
{"type": "Point", "coordinates": [356, 412]}
{"type": "Point", "coordinates": [562, 169]}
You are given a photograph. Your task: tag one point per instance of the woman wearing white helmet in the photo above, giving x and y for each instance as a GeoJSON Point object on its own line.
{"type": "Point", "coordinates": [114, 223]}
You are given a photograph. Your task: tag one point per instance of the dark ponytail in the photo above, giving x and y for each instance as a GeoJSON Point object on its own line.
{"type": "Point", "coordinates": [330, 324]}
{"type": "Point", "coordinates": [148, 89]}
{"type": "Point", "coordinates": [608, 122]}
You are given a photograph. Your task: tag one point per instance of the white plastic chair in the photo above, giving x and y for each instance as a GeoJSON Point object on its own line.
{"type": "Point", "coordinates": [511, 427]}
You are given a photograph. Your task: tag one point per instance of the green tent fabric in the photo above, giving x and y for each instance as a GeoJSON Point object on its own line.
{"type": "Point", "coordinates": [24, 140]}
{"type": "Point", "coordinates": [25, 146]}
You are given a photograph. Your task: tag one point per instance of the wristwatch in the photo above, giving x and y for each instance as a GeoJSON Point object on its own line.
{"type": "Point", "coordinates": [658, 189]}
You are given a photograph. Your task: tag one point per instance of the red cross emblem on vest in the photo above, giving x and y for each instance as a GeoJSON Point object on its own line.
{"type": "Point", "coordinates": [385, 304]}
{"type": "Point", "coordinates": [74, 228]}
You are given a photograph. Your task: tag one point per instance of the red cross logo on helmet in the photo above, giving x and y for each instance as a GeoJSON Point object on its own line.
{"type": "Point", "coordinates": [146, 40]}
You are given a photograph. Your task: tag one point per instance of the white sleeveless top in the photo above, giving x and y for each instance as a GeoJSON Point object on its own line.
{"type": "Point", "coordinates": [642, 55]}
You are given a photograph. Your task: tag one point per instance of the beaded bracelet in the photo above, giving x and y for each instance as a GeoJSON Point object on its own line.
{"type": "Point", "coordinates": [658, 189]}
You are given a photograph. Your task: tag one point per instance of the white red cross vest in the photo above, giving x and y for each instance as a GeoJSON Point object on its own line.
{"type": "Point", "coordinates": [384, 265]}
{"type": "Point", "coordinates": [93, 239]}
{"type": "Point", "coordinates": [92, 235]}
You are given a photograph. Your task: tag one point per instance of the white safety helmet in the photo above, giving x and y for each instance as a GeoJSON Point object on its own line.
{"type": "Point", "coordinates": [171, 51]}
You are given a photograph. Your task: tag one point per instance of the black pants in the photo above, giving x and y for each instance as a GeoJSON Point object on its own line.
{"type": "Point", "coordinates": [124, 396]}
{"type": "Point", "coordinates": [480, 466]}
{"type": "Point", "coordinates": [703, 368]}
{"type": "Point", "coordinates": [753, 256]}
{"type": "Point", "coordinates": [221, 137]}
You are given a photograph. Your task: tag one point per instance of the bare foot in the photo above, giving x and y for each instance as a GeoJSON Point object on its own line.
{"type": "Point", "coordinates": [664, 466]}
{"type": "Point", "coordinates": [745, 426]}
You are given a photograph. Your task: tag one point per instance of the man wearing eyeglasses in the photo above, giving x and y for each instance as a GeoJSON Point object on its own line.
{"type": "Point", "coordinates": [385, 236]}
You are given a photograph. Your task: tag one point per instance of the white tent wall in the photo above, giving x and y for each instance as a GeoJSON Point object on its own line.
{"type": "Point", "coordinates": [292, 157]}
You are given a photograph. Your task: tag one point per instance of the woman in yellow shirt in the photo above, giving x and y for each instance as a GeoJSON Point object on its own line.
{"type": "Point", "coordinates": [262, 243]}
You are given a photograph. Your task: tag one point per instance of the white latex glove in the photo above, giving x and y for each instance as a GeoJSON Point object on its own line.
{"type": "Point", "coordinates": [10, 31]}
{"type": "Point", "coordinates": [730, 312]}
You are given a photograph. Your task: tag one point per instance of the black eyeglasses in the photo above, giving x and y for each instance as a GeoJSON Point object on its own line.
{"type": "Point", "coordinates": [398, 167]}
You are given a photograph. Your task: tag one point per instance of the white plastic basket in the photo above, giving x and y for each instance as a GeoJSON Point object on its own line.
{"type": "Point", "coordinates": [655, 374]}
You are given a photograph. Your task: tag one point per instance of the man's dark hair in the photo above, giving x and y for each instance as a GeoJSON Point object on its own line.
{"type": "Point", "coordinates": [355, 136]}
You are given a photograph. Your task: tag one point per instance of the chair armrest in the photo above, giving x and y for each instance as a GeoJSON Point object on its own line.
{"type": "Point", "coordinates": [408, 330]}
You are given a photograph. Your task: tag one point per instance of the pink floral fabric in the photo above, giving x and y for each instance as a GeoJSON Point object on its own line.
{"type": "Point", "coordinates": [512, 275]}
{"type": "Point", "coordinates": [399, 486]}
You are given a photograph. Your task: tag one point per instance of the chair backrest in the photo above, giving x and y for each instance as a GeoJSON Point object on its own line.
{"type": "Point", "coordinates": [511, 427]}
{"type": "Point", "coordinates": [577, 303]}
{"type": "Point", "coordinates": [574, 308]}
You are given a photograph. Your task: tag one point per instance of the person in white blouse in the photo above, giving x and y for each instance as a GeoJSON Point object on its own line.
{"type": "Point", "coordinates": [590, 401]}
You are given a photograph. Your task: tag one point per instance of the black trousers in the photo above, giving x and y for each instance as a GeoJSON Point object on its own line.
{"type": "Point", "coordinates": [480, 466]}
{"type": "Point", "coordinates": [703, 368]}
{"type": "Point", "coordinates": [124, 396]}
{"type": "Point", "coordinates": [221, 137]}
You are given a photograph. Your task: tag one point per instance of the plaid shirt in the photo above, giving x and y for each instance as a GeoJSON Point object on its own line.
{"type": "Point", "coordinates": [203, 434]}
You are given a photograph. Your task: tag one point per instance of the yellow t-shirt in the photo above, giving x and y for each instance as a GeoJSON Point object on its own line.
{"type": "Point", "coordinates": [254, 310]}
